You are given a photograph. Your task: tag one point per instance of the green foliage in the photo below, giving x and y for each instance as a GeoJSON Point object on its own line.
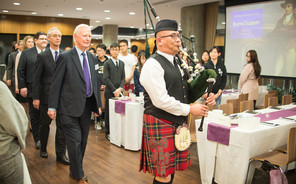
{"type": "Point", "coordinates": [280, 92]}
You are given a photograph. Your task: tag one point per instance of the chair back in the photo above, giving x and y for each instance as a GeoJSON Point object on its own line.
{"type": "Point", "coordinates": [103, 100]}
{"type": "Point", "coordinates": [270, 94]}
{"type": "Point", "coordinates": [273, 101]}
{"type": "Point", "coordinates": [236, 105]}
{"type": "Point", "coordinates": [246, 105]}
{"type": "Point", "coordinates": [287, 99]}
{"type": "Point", "coordinates": [291, 145]}
{"type": "Point", "coordinates": [243, 97]}
{"type": "Point", "coordinates": [226, 108]}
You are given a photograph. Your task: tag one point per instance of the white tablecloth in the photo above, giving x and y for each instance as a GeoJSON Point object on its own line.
{"type": "Point", "coordinates": [231, 163]}
{"type": "Point", "coordinates": [126, 130]}
{"type": "Point", "coordinates": [234, 95]}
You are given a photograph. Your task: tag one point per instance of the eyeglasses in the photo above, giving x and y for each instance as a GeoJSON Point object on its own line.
{"type": "Point", "coordinates": [174, 36]}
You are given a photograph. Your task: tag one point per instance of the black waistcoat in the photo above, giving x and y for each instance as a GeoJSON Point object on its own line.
{"type": "Point", "coordinates": [176, 87]}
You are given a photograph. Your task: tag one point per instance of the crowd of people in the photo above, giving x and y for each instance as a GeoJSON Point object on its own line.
{"type": "Point", "coordinates": [66, 86]}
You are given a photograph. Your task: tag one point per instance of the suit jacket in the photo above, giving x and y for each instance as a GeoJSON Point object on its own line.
{"type": "Point", "coordinates": [43, 73]}
{"type": "Point", "coordinates": [10, 66]}
{"type": "Point", "coordinates": [68, 88]}
{"type": "Point", "coordinates": [113, 77]}
{"type": "Point", "coordinates": [25, 70]}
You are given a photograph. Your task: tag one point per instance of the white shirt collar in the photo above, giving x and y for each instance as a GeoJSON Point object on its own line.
{"type": "Point", "coordinates": [288, 17]}
{"type": "Point", "coordinates": [39, 50]}
{"type": "Point", "coordinates": [168, 56]}
{"type": "Point", "coordinates": [79, 51]}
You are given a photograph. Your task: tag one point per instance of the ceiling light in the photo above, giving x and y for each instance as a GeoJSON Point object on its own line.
{"type": "Point", "coordinates": [106, 11]}
{"type": "Point", "coordinates": [132, 27]}
{"type": "Point", "coordinates": [79, 9]}
{"type": "Point", "coordinates": [60, 14]}
{"type": "Point", "coordinates": [108, 18]}
{"type": "Point", "coordinates": [33, 13]}
{"type": "Point", "coordinates": [16, 4]}
{"type": "Point", "coordinates": [223, 22]}
{"type": "Point", "coordinates": [92, 44]}
{"type": "Point", "coordinates": [5, 11]}
{"type": "Point", "coordinates": [132, 13]}
{"type": "Point", "coordinates": [98, 21]}
{"type": "Point", "coordinates": [147, 24]}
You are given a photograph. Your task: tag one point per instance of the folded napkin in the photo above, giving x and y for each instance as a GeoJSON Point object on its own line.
{"type": "Point", "coordinates": [219, 133]}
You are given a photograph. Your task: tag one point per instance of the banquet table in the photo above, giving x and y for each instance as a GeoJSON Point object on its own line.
{"type": "Point", "coordinates": [126, 121]}
{"type": "Point", "coordinates": [230, 94]}
{"type": "Point", "coordinates": [229, 163]}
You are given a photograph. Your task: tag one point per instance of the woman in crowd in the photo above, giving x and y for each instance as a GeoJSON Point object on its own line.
{"type": "Point", "coordinates": [248, 80]}
{"type": "Point", "coordinates": [141, 60]}
{"type": "Point", "coordinates": [220, 69]}
{"type": "Point", "coordinates": [28, 42]}
{"type": "Point", "coordinates": [204, 57]}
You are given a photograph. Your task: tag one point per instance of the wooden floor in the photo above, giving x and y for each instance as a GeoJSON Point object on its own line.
{"type": "Point", "coordinates": [104, 163]}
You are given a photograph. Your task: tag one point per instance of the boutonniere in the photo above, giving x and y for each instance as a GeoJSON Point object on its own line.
{"type": "Point", "coordinates": [220, 71]}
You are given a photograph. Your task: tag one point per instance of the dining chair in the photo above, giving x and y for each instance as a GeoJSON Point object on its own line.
{"type": "Point", "coordinates": [287, 99]}
{"type": "Point", "coordinates": [246, 105]}
{"type": "Point", "coordinates": [268, 95]}
{"type": "Point", "coordinates": [211, 107]}
{"type": "Point", "coordinates": [243, 97]}
{"type": "Point", "coordinates": [273, 101]}
{"type": "Point", "coordinates": [235, 103]}
{"type": "Point", "coordinates": [226, 108]}
{"type": "Point", "coordinates": [279, 158]}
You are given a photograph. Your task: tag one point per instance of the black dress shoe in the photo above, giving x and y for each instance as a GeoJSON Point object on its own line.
{"type": "Point", "coordinates": [37, 145]}
{"type": "Point", "coordinates": [63, 160]}
{"type": "Point", "coordinates": [108, 137]}
{"type": "Point", "coordinates": [43, 154]}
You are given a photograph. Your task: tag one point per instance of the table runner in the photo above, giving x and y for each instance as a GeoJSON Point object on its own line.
{"type": "Point", "coordinates": [219, 133]}
{"type": "Point", "coordinates": [120, 106]}
{"type": "Point", "coordinates": [276, 114]}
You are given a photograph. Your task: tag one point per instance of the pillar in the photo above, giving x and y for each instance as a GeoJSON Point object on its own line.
{"type": "Point", "coordinates": [110, 34]}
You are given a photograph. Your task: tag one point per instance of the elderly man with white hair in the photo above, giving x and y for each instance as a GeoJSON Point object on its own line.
{"type": "Point", "coordinates": [73, 95]}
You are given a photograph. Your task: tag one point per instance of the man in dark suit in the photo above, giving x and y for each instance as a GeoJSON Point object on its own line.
{"type": "Point", "coordinates": [25, 72]}
{"type": "Point", "coordinates": [114, 78]}
{"type": "Point", "coordinates": [10, 78]}
{"type": "Point", "coordinates": [43, 72]}
{"type": "Point", "coordinates": [74, 93]}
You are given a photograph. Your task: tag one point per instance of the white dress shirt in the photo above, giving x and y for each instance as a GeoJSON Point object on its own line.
{"type": "Point", "coordinates": [152, 79]}
{"type": "Point", "coordinates": [53, 53]}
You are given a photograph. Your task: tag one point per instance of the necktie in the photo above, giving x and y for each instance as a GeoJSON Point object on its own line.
{"type": "Point", "coordinates": [116, 64]}
{"type": "Point", "coordinates": [56, 56]}
{"type": "Point", "coordinates": [86, 75]}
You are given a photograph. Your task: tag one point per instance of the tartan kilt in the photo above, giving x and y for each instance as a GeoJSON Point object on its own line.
{"type": "Point", "coordinates": [159, 155]}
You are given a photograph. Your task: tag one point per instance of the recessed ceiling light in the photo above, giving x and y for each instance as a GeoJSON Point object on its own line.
{"type": "Point", "coordinates": [5, 11]}
{"type": "Point", "coordinates": [132, 27]}
{"type": "Point", "coordinates": [33, 13]}
{"type": "Point", "coordinates": [108, 18]}
{"type": "Point", "coordinates": [16, 4]}
{"type": "Point", "coordinates": [98, 21]}
{"type": "Point", "coordinates": [223, 22]}
{"type": "Point", "coordinates": [106, 11]}
{"type": "Point", "coordinates": [132, 13]}
{"type": "Point", "coordinates": [60, 14]}
{"type": "Point", "coordinates": [79, 9]}
{"type": "Point", "coordinates": [147, 24]}
{"type": "Point", "coordinates": [92, 44]}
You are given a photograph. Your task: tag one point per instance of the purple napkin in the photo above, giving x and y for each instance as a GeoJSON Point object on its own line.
{"type": "Point", "coordinates": [228, 92]}
{"type": "Point", "coordinates": [219, 133]}
{"type": "Point", "coordinates": [120, 106]}
{"type": "Point", "coordinates": [276, 115]}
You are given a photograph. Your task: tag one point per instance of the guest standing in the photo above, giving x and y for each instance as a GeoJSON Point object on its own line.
{"type": "Point", "coordinates": [248, 79]}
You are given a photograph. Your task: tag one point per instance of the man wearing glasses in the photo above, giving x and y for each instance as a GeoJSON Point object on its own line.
{"type": "Point", "coordinates": [25, 72]}
{"type": "Point", "coordinates": [165, 106]}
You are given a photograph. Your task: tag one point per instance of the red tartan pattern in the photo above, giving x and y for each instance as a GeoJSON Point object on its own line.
{"type": "Point", "coordinates": [158, 153]}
